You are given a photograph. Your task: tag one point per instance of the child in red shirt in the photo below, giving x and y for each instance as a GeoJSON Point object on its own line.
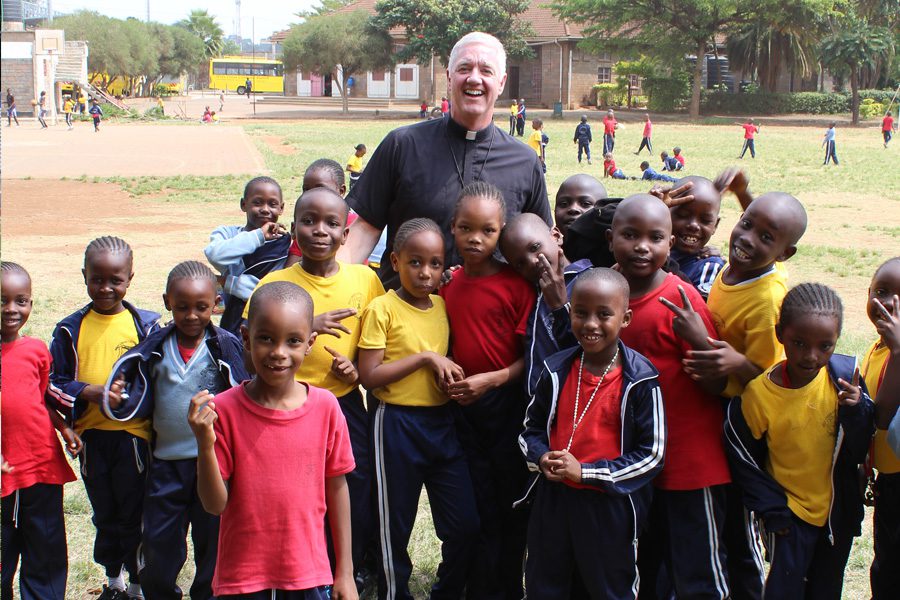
{"type": "Point", "coordinates": [282, 447]}
{"type": "Point", "coordinates": [670, 319]}
{"type": "Point", "coordinates": [750, 131]}
{"type": "Point", "coordinates": [491, 396]}
{"type": "Point", "coordinates": [34, 468]}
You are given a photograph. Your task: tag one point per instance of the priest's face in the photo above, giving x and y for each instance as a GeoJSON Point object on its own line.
{"type": "Point", "coordinates": [475, 80]}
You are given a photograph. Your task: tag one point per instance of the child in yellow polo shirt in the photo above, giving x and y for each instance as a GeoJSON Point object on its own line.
{"type": "Point", "coordinates": [403, 363]}
{"type": "Point", "coordinates": [85, 346]}
{"type": "Point", "coordinates": [795, 439]}
{"type": "Point", "coordinates": [354, 164]}
{"type": "Point", "coordinates": [881, 371]}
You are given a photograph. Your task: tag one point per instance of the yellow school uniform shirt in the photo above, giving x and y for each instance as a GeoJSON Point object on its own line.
{"type": "Point", "coordinates": [401, 329]}
{"type": "Point", "coordinates": [102, 339]}
{"type": "Point", "coordinates": [799, 427]}
{"type": "Point", "coordinates": [745, 316]}
{"type": "Point", "coordinates": [534, 140]}
{"type": "Point", "coordinates": [513, 109]}
{"type": "Point", "coordinates": [68, 105]}
{"type": "Point", "coordinates": [871, 370]}
{"type": "Point", "coordinates": [353, 286]}
{"type": "Point", "coordinates": [354, 164]}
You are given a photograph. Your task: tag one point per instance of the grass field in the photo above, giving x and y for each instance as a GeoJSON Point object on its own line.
{"type": "Point", "coordinates": [854, 213]}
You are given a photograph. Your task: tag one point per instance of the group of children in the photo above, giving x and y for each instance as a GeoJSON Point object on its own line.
{"type": "Point", "coordinates": [618, 337]}
{"type": "Point", "coordinates": [672, 163]}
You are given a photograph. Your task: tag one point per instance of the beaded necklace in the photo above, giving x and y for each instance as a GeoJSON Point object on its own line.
{"type": "Point", "coordinates": [576, 418]}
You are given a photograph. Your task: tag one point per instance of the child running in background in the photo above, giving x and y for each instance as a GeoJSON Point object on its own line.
{"type": "Point", "coordinates": [595, 431]}
{"type": "Point", "coordinates": [340, 292]}
{"type": "Point", "coordinates": [796, 438]}
{"type": "Point", "coordinates": [85, 346]}
{"type": "Point", "coordinates": [881, 372]}
{"type": "Point", "coordinates": [96, 113]}
{"type": "Point", "coordinates": [744, 300]}
{"type": "Point", "coordinates": [685, 529]}
{"type": "Point", "coordinates": [693, 224]}
{"type": "Point", "coordinates": [272, 455]}
{"type": "Point", "coordinates": [33, 465]}
{"type": "Point", "coordinates": [244, 254]}
{"type": "Point", "coordinates": [491, 398]}
{"type": "Point", "coordinates": [355, 165]}
{"type": "Point", "coordinates": [68, 107]}
{"type": "Point", "coordinates": [645, 140]}
{"type": "Point", "coordinates": [155, 380]}
{"type": "Point", "coordinates": [534, 251]}
{"type": "Point", "coordinates": [403, 364]}
{"type": "Point", "coordinates": [829, 144]}
{"type": "Point", "coordinates": [575, 196]}
{"type": "Point", "coordinates": [649, 174]}
{"type": "Point", "coordinates": [610, 169]}
{"type": "Point", "coordinates": [670, 163]}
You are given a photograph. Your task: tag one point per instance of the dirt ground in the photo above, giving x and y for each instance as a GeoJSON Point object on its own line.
{"type": "Point", "coordinates": [29, 151]}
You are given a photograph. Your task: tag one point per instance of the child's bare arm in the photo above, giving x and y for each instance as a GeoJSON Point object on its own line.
{"type": "Point", "coordinates": [374, 373]}
{"type": "Point", "coordinates": [474, 387]}
{"type": "Point", "coordinates": [210, 485]}
{"type": "Point", "coordinates": [720, 361]}
{"type": "Point", "coordinates": [888, 397]}
{"type": "Point", "coordinates": [337, 501]}
{"type": "Point", "coordinates": [735, 180]}
{"type": "Point", "coordinates": [73, 442]}
{"type": "Point", "coordinates": [342, 367]}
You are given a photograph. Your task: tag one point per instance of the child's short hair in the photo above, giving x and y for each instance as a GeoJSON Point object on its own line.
{"type": "Point", "coordinates": [537, 123]}
{"type": "Point", "coordinates": [190, 269]}
{"type": "Point", "coordinates": [645, 165]}
{"type": "Point", "coordinates": [412, 227]}
{"type": "Point", "coordinates": [322, 190]}
{"type": "Point", "coordinates": [108, 243]}
{"type": "Point", "coordinates": [285, 292]}
{"type": "Point", "coordinates": [360, 147]}
{"type": "Point", "coordinates": [604, 274]}
{"type": "Point", "coordinates": [878, 270]}
{"type": "Point", "coordinates": [676, 150]}
{"type": "Point", "coordinates": [480, 189]}
{"type": "Point", "coordinates": [13, 268]}
{"type": "Point", "coordinates": [811, 298]}
{"type": "Point", "coordinates": [332, 167]}
{"type": "Point", "coordinates": [260, 180]}
{"type": "Point", "coordinates": [664, 154]}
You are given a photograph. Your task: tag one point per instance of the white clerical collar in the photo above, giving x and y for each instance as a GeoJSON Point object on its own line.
{"type": "Point", "coordinates": [470, 135]}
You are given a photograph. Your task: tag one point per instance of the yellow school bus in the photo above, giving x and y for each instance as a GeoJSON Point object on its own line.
{"type": "Point", "coordinates": [232, 73]}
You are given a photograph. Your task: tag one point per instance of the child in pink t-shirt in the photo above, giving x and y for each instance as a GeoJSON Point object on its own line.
{"type": "Point", "coordinates": [272, 455]}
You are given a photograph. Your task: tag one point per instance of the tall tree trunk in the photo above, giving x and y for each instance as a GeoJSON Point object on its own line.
{"type": "Point", "coordinates": [854, 93]}
{"type": "Point", "coordinates": [698, 80]}
{"type": "Point", "coordinates": [345, 103]}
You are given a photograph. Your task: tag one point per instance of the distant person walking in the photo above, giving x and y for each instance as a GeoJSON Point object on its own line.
{"type": "Point", "coordinates": [445, 106]}
{"type": "Point", "coordinates": [96, 113]}
{"type": "Point", "coordinates": [11, 113]}
{"type": "Point", "coordinates": [520, 118]}
{"type": "Point", "coordinates": [248, 85]}
{"type": "Point", "coordinates": [609, 131]}
{"type": "Point", "coordinates": [583, 138]}
{"type": "Point", "coordinates": [513, 111]}
{"type": "Point", "coordinates": [645, 140]}
{"type": "Point", "coordinates": [750, 131]}
{"type": "Point", "coordinates": [221, 100]}
{"type": "Point", "coordinates": [68, 107]}
{"type": "Point", "coordinates": [887, 128]}
{"type": "Point", "coordinates": [829, 145]}
{"type": "Point", "coordinates": [42, 109]}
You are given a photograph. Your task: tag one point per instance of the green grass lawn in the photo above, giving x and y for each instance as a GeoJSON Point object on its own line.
{"type": "Point", "coordinates": [854, 213]}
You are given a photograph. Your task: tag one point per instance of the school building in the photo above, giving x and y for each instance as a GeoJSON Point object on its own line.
{"type": "Point", "coordinates": [557, 72]}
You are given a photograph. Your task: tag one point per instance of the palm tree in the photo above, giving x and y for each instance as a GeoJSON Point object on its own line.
{"type": "Point", "coordinates": [204, 26]}
{"type": "Point", "coordinates": [856, 47]}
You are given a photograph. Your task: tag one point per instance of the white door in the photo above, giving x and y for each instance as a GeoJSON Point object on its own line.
{"type": "Point", "coordinates": [407, 81]}
{"type": "Point", "coordinates": [378, 84]}
{"type": "Point", "coordinates": [304, 84]}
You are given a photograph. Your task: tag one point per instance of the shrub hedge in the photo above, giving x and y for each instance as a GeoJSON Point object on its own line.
{"type": "Point", "coordinates": [763, 103]}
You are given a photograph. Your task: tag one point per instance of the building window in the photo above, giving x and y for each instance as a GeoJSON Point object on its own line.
{"type": "Point", "coordinates": [406, 74]}
{"type": "Point", "coordinates": [605, 56]}
{"type": "Point", "coordinates": [604, 74]}
{"type": "Point", "coordinates": [634, 82]}
{"type": "Point", "coordinates": [378, 75]}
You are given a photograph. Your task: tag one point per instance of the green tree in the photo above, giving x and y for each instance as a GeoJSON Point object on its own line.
{"type": "Point", "coordinates": [204, 26]}
{"type": "Point", "coordinates": [667, 30]}
{"type": "Point", "coordinates": [329, 42]}
{"type": "Point", "coordinates": [853, 48]}
{"type": "Point", "coordinates": [109, 47]}
{"type": "Point", "coordinates": [434, 26]}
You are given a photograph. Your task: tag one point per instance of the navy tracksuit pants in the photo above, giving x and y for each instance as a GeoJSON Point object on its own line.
{"type": "Point", "coordinates": [748, 145]}
{"type": "Point", "coordinates": [804, 564]}
{"type": "Point", "coordinates": [414, 446]}
{"type": "Point", "coordinates": [583, 534]}
{"type": "Point", "coordinates": [831, 153]}
{"type": "Point", "coordinates": [488, 431]}
{"type": "Point", "coordinates": [171, 504]}
{"type": "Point", "coordinates": [114, 468]}
{"type": "Point", "coordinates": [683, 549]}
{"type": "Point", "coordinates": [645, 143]}
{"type": "Point", "coordinates": [359, 481]}
{"type": "Point", "coordinates": [609, 142]}
{"type": "Point", "coordinates": [742, 541]}
{"type": "Point", "coordinates": [35, 531]}
{"type": "Point", "coordinates": [584, 146]}
{"type": "Point", "coordinates": [885, 574]}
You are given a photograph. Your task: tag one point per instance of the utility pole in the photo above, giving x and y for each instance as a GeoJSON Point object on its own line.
{"type": "Point", "coordinates": [253, 68]}
{"type": "Point", "coordinates": [148, 11]}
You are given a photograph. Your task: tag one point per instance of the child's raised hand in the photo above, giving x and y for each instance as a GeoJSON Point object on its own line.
{"type": "Point", "coordinates": [552, 282]}
{"type": "Point", "coordinates": [201, 416]}
{"type": "Point", "coordinates": [720, 361]}
{"type": "Point", "coordinates": [686, 322]}
{"type": "Point", "coordinates": [674, 196]}
{"type": "Point", "coordinates": [74, 445]}
{"type": "Point", "coordinates": [470, 389]}
{"type": "Point", "coordinates": [272, 231]}
{"type": "Point", "coordinates": [850, 392]}
{"type": "Point", "coordinates": [447, 275]}
{"type": "Point", "coordinates": [887, 324]}
{"type": "Point", "coordinates": [329, 323]}
{"type": "Point", "coordinates": [342, 367]}
{"type": "Point", "coordinates": [114, 393]}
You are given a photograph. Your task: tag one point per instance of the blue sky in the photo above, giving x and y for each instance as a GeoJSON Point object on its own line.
{"type": "Point", "coordinates": [269, 15]}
